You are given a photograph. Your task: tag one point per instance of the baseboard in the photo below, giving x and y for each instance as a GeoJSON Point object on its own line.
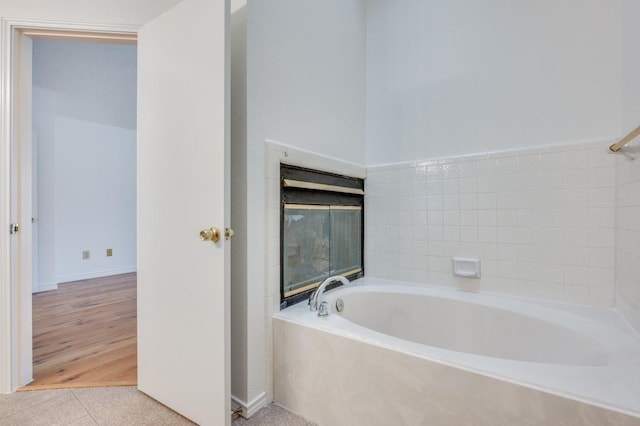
{"type": "Point", "coordinates": [250, 408]}
{"type": "Point", "coordinates": [97, 274]}
{"type": "Point", "coordinates": [46, 287]}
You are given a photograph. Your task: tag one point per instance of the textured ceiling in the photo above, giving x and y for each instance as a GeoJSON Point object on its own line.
{"type": "Point", "coordinates": [93, 81]}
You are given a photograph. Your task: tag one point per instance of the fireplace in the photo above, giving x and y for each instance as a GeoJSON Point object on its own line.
{"type": "Point", "coordinates": [322, 230]}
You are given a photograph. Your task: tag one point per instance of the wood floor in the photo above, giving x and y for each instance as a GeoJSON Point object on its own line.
{"type": "Point", "coordinates": [84, 334]}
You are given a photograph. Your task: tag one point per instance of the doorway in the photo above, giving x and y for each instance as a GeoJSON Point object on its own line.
{"type": "Point", "coordinates": [78, 98]}
{"type": "Point", "coordinates": [183, 189]}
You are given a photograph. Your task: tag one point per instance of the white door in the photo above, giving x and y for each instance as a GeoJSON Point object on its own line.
{"type": "Point", "coordinates": [183, 282]}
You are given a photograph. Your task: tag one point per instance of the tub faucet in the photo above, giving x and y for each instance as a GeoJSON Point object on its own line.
{"type": "Point", "coordinates": [314, 300]}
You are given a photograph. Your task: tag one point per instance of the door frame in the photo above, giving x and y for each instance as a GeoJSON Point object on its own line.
{"type": "Point", "coordinates": [16, 363]}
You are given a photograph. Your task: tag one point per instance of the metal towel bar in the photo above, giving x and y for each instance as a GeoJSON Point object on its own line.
{"type": "Point", "coordinates": [625, 140]}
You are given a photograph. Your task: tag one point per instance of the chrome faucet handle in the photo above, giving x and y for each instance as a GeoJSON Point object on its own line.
{"type": "Point", "coordinates": [313, 305]}
{"type": "Point", "coordinates": [323, 309]}
{"type": "Point", "coordinates": [316, 296]}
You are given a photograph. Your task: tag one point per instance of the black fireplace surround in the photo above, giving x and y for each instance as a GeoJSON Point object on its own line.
{"type": "Point", "coordinates": [321, 230]}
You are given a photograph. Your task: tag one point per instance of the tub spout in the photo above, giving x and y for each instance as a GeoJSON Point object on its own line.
{"type": "Point", "coordinates": [314, 300]}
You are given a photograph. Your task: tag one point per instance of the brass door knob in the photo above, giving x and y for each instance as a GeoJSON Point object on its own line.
{"type": "Point", "coordinates": [229, 233]}
{"type": "Point", "coordinates": [211, 234]}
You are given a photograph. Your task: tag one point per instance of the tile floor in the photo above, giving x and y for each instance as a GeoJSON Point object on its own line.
{"type": "Point", "coordinates": [114, 406]}
{"type": "Point", "coordinates": [273, 415]}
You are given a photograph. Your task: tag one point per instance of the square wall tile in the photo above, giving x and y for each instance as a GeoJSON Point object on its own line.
{"type": "Point", "coordinates": [542, 220]}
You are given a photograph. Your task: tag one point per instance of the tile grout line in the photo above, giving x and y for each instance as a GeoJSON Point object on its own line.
{"type": "Point", "coordinates": [30, 407]}
{"type": "Point", "coordinates": [84, 407]}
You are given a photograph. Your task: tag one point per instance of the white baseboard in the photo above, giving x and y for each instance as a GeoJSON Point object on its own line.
{"type": "Point", "coordinates": [97, 274]}
{"type": "Point", "coordinates": [46, 287]}
{"type": "Point", "coordinates": [250, 408]}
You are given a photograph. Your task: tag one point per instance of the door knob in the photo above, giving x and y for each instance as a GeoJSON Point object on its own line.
{"type": "Point", "coordinates": [229, 233]}
{"type": "Point", "coordinates": [212, 234]}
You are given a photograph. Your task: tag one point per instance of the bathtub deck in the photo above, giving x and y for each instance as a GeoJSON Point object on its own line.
{"type": "Point", "coordinates": [614, 385]}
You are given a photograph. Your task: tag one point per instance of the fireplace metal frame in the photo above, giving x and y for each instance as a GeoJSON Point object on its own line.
{"type": "Point", "coordinates": [303, 186]}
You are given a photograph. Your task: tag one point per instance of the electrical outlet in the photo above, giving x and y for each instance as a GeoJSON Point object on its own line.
{"type": "Point", "coordinates": [109, 252]}
{"type": "Point", "coordinates": [85, 255]}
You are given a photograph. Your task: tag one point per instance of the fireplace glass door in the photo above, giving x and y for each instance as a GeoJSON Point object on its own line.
{"type": "Point", "coordinates": [319, 241]}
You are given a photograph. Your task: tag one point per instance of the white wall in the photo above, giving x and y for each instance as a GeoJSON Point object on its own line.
{"type": "Point", "coordinates": [95, 195]}
{"type": "Point", "coordinates": [630, 41]}
{"type": "Point", "coordinates": [460, 77]}
{"type": "Point", "coordinates": [628, 173]}
{"type": "Point", "coordinates": [306, 62]}
{"type": "Point", "coordinates": [44, 102]}
{"type": "Point", "coordinates": [305, 88]}
{"type": "Point", "coordinates": [85, 115]}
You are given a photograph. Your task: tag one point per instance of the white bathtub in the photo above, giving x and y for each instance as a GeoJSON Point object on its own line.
{"type": "Point", "coordinates": [550, 360]}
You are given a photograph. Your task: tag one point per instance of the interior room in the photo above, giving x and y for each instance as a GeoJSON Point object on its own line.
{"type": "Point", "coordinates": [84, 119]}
{"type": "Point", "coordinates": [481, 185]}
{"type": "Point", "coordinates": [83, 106]}
{"type": "Point", "coordinates": [483, 132]}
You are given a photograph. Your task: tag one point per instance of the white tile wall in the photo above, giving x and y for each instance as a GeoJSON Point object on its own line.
{"type": "Point", "coordinates": [542, 221]}
{"type": "Point", "coordinates": [628, 235]}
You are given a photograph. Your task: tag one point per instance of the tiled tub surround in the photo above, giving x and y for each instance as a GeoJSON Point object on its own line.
{"type": "Point", "coordinates": [541, 220]}
{"type": "Point", "coordinates": [628, 233]}
{"type": "Point", "coordinates": [567, 365]}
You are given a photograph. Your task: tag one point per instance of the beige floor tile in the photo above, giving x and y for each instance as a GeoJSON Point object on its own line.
{"type": "Point", "coordinates": [119, 406]}
{"type": "Point", "coordinates": [60, 411]}
{"type": "Point", "coordinates": [273, 415]}
{"type": "Point", "coordinates": [84, 421]}
{"type": "Point", "coordinates": [19, 401]}
{"type": "Point", "coordinates": [116, 406]}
